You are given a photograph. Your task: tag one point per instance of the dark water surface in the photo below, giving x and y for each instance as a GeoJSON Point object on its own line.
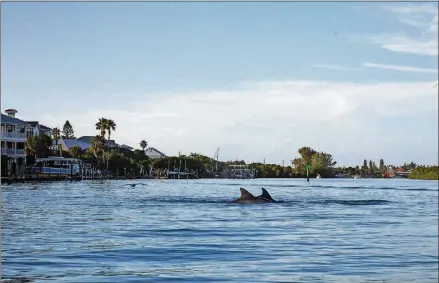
{"type": "Point", "coordinates": [186, 230]}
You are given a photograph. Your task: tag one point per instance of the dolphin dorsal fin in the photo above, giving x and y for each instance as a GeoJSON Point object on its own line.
{"type": "Point", "coordinates": [245, 194]}
{"type": "Point", "coordinates": [265, 194]}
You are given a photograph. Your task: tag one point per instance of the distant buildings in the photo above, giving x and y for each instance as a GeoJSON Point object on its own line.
{"type": "Point", "coordinates": [36, 128]}
{"type": "Point", "coordinates": [14, 133]}
{"type": "Point", "coordinates": [66, 144]}
{"type": "Point", "coordinates": [87, 139]}
{"type": "Point", "coordinates": [154, 153]}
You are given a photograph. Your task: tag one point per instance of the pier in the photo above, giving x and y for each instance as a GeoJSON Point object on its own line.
{"type": "Point", "coordinates": [239, 172]}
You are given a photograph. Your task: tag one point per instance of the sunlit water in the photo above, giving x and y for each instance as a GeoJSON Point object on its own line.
{"type": "Point", "coordinates": [187, 230]}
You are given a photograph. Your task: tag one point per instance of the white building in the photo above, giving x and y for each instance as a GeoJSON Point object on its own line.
{"type": "Point", "coordinates": [154, 153]}
{"type": "Point", "coordinates": [13, 133]}
{"type": "Point", "coordinates": [36, 128]}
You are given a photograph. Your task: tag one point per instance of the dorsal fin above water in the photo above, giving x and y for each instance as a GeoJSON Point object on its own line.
{"type": "Point", "coordinates": [245, 194]}
{"type": "Point", "coordinates": [265, 194]}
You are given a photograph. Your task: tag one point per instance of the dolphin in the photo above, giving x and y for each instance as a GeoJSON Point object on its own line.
{"type": "Point", "coordinates": [134, 184]}
{"type": "Point", "coordinates": [266, 195]}
{"type": "Point", "coordinates": [247, 197]}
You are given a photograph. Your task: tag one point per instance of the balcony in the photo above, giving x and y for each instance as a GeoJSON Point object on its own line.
{"type": "Point", "coordinates": [12, 151]}
{"type": "Point", "coordinates": [12, 135]}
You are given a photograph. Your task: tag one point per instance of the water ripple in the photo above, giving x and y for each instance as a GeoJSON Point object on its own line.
{"type": "Point", "coordinates": [188, 231]}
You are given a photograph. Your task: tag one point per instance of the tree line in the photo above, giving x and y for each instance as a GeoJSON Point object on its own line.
{"type": "Point", "coordinates": [102, 155]}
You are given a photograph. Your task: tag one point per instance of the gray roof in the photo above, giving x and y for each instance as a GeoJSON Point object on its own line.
{"type": "Point", "coordinates": [71, 143]}
{"type": "Point", "coordinates": [32, 123]}
{"type": "Point", "coordinates": [9, 120]}
{"type": "Point", "coordinates": [126, 147]}
{"type": "Point", "coordinates": [156, 150]}
{"type": "Point", "coordinates": [45, 128]}
{"type": "Point", "coordinates": [87, 139]}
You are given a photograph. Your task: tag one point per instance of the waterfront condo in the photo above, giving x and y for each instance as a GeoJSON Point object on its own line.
{"type": "Point", "coordinates": [14, 133]}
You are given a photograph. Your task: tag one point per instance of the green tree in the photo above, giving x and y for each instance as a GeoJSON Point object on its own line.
{"type": "Point", "coordinates": [30, 146]}
{"type": "Point", "coordinates": [299, 165]}
{"type": "Point", "coordinates": [110, 125]}
{"type": "Point", "coordinates": [75, 151]}
{"type": "Point", "coordinates": [98, 147]}
{"type": "Point", "coordinates": [101, 125]}
{"type": "Point", "coordinates": [364, 168]}
{"type": "Point", "coordinates": [106, 126]}
{"type": "Point", "coordinates": [364, 164]}
{"type": "Point", "coordinates": [288, 170]}
{"type": "Point", "coordinates": [56, 135]}
{"type": "Point", "coordinates": [425, 173]}
{"type": "Point", "coordinates": [143, 145]}
{"type": "Point", "coordinates": [67, 131]}
{"type": "Point", "coordinates": [139, 154]}
{"type": "Point", "coordinates": [322, 163]}
{"type": "Point", "coordinates": [382, 165]}
{"type": "Point", "coordinates": [38, 146]}
{"type": "Point", "coordinates": [4, 164]}
{"type": "Point", "coordinates": [371, 167]}
{"type": "Point", "coordinates": [44, 142]}
{"type": "Point", "coordinates": [306, 154]}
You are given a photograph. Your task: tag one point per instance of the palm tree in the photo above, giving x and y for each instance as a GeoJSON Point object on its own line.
{"type": "Point", "coordinates": [109, 126]}
{"type": "Point", "coordinates": [143, 144]}
{"type": "Point", "coordinates": [30, 146]}
{"type": "Point", "coordinates": [102, 126]}
{"type": "Point", "coordinates": [56, 134]}
{"type": "Point", "coordinates": [75, 151]}
{"type": "Point", "coordinates": [98, 146]}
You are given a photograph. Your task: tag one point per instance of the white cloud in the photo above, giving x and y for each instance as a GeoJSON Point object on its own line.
{"type": "Point", "coordinates": [399, 68]}
{"type": "Point", "coordinates": [405, 44]}
{"type": "Point", "coordinates": [334, 67]}
{"type": "Point", "coordinates": [273, 119]}
{"type": "Point", "coordinates": [410, 8]}
{"type": "Point", "coordinates": [423, 18]}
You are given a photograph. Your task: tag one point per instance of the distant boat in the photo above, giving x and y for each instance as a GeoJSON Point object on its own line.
{"type": "Point", "coordinates": [318, 176]}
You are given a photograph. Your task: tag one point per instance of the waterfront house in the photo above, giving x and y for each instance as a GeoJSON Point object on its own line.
{"type": "Point", "coordinates": [13, 134]}
{"type": "Point", "coordinates": [36, 128]}
{"type": "Point", "coordinates": [154, 153]}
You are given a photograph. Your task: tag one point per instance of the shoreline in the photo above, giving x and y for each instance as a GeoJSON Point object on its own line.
{"type": "Point", "coordinates": [9, 181]}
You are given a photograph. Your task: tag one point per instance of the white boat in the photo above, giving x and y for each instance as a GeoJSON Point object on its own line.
{"type": "Point", "coordinates": [59, 166]}
{"type": "Point", "coordinates": [318, 176]}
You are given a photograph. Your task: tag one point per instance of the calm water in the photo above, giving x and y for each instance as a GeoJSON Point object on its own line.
{"type": "Point", "coordinates": [186, 230]}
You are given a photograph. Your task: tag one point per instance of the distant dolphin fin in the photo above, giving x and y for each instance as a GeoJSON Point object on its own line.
{"type": "Point", "coordinates": [245, 194]}
{"type": "Point", "coordinates": [266, 195]}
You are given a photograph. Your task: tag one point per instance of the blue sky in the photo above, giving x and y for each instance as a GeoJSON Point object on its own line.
{"type": "Point", "coordinates": [197, 76]}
